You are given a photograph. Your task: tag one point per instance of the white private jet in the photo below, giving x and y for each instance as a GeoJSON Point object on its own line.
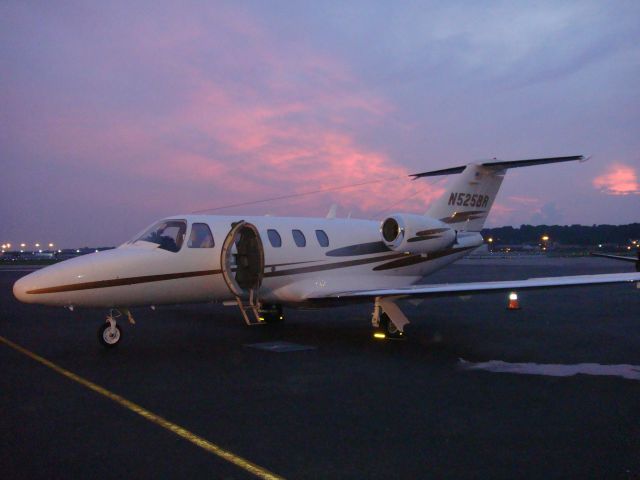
{"type": "Point", "coordinates": [260, 264]}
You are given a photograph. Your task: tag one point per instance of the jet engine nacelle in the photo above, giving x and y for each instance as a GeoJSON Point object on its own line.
{"type": "Point", "coordinates": [416, 233]}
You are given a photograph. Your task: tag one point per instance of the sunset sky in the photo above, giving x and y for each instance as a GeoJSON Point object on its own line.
{"type": "Point", "coordinates": [114, 114]}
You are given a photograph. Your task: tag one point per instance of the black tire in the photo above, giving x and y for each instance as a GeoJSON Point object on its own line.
{"type": "Point", "coordinates": [388, 328]}
{"type": "Point", "coordinates": [106, 339]}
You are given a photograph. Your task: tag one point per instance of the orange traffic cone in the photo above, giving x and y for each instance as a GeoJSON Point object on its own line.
{"type": "Point", "coordinates": [514, 304]}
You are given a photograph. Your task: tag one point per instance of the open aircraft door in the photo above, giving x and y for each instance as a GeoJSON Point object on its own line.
{"type": "Point", "coordinates": [242, 263]}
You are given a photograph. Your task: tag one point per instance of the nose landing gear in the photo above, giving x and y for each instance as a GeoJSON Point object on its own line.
{"type": "Point", "coordinates": [110, 333]}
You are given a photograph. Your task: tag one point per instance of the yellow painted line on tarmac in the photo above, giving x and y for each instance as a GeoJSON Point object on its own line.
{"type": "Point", "coordinates": [238, 461]}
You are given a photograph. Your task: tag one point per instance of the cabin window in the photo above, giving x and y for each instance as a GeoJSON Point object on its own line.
{"type": "Point", "coordinates": [168, 234]}
{"type": "Point", "coordinates": [322, 237]}
{"type": "Point", "coordinates": [274, 238]}
{"type": "Point", "coordinates": [200, 236]}
{"type": "Point", "coordinates": [298, 237]}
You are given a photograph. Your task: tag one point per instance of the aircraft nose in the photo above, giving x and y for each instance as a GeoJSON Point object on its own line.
{"type": "Point", "coordinates": [20, 289]}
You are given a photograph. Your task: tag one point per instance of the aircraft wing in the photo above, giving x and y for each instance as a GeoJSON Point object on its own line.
{"type": "Point", "coordinates": [469, 288]}
{"type": "Point", "coordinates": [616, 257]}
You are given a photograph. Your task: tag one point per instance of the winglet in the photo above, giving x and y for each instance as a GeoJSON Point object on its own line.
{"type": "Point", "coordinates": [332, 211]}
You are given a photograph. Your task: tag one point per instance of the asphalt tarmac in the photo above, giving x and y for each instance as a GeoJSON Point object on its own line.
{"type": "Point", "coordinates": [348, 406]}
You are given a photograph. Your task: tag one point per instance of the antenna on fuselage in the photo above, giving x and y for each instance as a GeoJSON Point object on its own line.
{"type": "Point", "coordinates": [301, 194]}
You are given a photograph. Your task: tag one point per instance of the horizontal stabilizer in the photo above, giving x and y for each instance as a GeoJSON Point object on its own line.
{"type": "Point", "coordinates": [500, 165]}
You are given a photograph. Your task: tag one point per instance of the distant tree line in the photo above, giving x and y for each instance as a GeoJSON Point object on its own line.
{"type": "Point", "coordinates": [567, 234]}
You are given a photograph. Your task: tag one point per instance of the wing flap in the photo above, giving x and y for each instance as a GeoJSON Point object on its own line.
{"type": "Point", "coordinates": [469, 288]}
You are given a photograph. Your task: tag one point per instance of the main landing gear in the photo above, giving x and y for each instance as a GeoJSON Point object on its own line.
{"type": "Point", "coordinates": [387, 320]}
{"type": "Point", "coordinates": [271, 314]}
{"type": "Point", "coordinates": [110, 333]}
{"type": "Point", "coordinates": [388, 329]}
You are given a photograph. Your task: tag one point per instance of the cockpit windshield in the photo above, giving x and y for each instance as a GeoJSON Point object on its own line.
{"type": "Point", "coordinates": [168, 234]}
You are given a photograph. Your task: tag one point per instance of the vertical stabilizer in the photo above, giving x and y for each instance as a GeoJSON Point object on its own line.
{"type": "Point", "coordinates": [466, 204]}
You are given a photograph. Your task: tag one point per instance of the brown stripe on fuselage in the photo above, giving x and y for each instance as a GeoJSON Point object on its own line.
{"type": "Point", "coordinates": [334, 265]}
{"type": "Point", "coordinates": [433, 231]}
{"type": "Point", "coordinates": [423, 237]}
{"type": "Point", "coordinates": [415, 259]}
{"type": "Point", "coordinates": [174, 276]}
{"type": "Point", "coordinates": [399, 260]}
{"type": "Point", "coordinates": [464, 216]}
{"type": "Point", "coordinates": [118, 282]}
{"type": "Point", "coordinates": [359, 249]}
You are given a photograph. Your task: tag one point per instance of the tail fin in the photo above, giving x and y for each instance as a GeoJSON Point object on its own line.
{"type": "Point", "coordinates": [466, 205]}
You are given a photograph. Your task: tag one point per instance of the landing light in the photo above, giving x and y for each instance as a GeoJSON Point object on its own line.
{"type": "Point", "coordinates": [379, 335]}
{"type": "Point", "coordinates": [23, 245]}
{"type": "Point", "coordinates": [513, 296]}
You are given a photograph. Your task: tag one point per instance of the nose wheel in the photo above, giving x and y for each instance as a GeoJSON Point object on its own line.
{"type": "Point", "coordinates": [109, 333]}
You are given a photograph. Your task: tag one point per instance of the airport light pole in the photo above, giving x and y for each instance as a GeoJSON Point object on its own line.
{"type": "Point", "coordinates": [545, 242]}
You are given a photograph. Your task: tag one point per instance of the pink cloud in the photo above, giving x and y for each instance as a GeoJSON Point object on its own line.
{"type": "Point", "coordinates": [620, 179]}
{"type": "Point", "coordinates": [232, 124]}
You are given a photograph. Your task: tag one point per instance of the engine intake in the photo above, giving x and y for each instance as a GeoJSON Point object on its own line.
{"type": "Point", "coordinates": [416, 234]}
